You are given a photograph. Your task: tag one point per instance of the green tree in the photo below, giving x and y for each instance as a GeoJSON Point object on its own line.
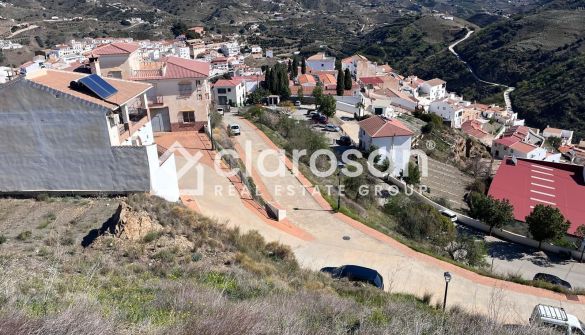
{"type": "Point", "coordinates": [347, 78]}
{"type": "Point", "coordinates": [413, 174]}
{"type": "Point", "coordinates": [318, 94]}
{"type": "Point", "coordinates": [179, 28]}
{"type": "Point", "coordinates": [554, 141]}
{"type": "Point", "coordinates": [303, 66]}
{"type": "Point", "coordinates": [580, 231]}
{"type": "Point", "coordinates": [257, 96]}
{"type": "Point", "coordinates": [496, 213]}
{"type": "Point", "coordinates": [300, 93]}
{"type": "Point", "coordinates": [289, 66]}
{"type": "Point", "coordinates": [295, 67]}
{"type": "Point", "coordinates": [546, 223]}
{"type": "Point", "coordinates": [340, 83]}
{"type": "Point", "coordinates": [327, 105]}
{"type": "Point", "coordinates": [337, 64]}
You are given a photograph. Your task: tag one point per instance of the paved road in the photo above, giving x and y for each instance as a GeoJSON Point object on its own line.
{"type": "Point", "coordinates": [403, 269]}
{"type": "Point", "coordinates": [508, 90]}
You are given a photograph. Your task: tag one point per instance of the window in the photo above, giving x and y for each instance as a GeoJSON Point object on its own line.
{"type": "Point", "coordinates": [115, 74]}
{"type": "Point", "coordinates": [185, 89]}
{"type": "Point", "coordinates": [188, 117]}
{"type": "Point", "coordinates": [229, 89]}
{"type": "Point", "coordinates": [221, 91]}
{"type": "Point", "coordinates": [200, 97]}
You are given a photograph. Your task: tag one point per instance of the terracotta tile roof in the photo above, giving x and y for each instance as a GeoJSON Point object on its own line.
{"type": "Point", "coordinates": [473, 129]}
{"type": "Point", "coordinates": [507, 141]}
{"type": "Point", "coordinates": [371, 80]}
{"type": "Point", "coordinates": [307, 79]}
{"type": "Point", "coordinates": [115, 49]}
{"type": "Point", "coordinates": [523, 147]}
{"type": "Point", "coordinates": [530, 182]}
{"type": "Point", "coordinates": [173, 68]}
{"type": "Point", "coordinates": [227, 83]}
{"type": "Point", "coordinates": [60, 81]}
{"type": "Point", "coordinates": [376, 126]}
{"type": "Point", "coordinates": [327, 78]}
{"type": "Point", "coordinates": [553, 131]}
{"type": "Point", "coordinates": [435, 82]}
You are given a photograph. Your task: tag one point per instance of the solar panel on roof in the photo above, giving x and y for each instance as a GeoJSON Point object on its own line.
{"type": "Point", "coordinates": [98, 86]}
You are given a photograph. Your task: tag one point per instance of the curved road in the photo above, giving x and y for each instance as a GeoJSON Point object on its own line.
{"type": "Point", "coordinates": [403, 269]}
{"type": "Point", "coordinates": [508, 90]}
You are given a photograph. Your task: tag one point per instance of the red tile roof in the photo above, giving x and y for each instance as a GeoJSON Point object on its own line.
{"type": "Point", "coordinates": [530, 182]}
{"type": "Point", "coordinates": [473, 129]}
{"type": "Point", "coordinates": [377, 126]}
{"type": "Point", "coordinates": [175, 68]}
{"type": "Point", "coordinates": [435, 82]}
{"type": "Point", "coordinates": [307, 79]}
{"type": "Point", "coordinates": [371, 80]}
{"type": "Point", "coordinates": [227, 83]}
{"type": "Point", "coordinates": [115, 49]}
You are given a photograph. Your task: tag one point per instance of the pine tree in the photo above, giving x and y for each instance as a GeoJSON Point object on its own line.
{"type": "Point", "coordinates": [340, 82]}
{"type": "Point", "coordinates": [303, 66]}
{"type": "Point", "coordinates": [295, 67]}
{"type": "Point", "coordinates": [267, 77]}
{"type": "Point", "coordinates": [347, 78]}
{"type": "Point", "coordinates": [289, 69]}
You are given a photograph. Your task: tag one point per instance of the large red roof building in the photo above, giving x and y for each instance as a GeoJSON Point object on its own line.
{"type": "Point", "coordinates": [527, 183]}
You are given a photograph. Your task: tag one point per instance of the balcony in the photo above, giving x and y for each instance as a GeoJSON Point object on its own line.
{"type": "Point", "coordinates": [155, 101]}
{"type": "Point", "coordinates": [137, 119]}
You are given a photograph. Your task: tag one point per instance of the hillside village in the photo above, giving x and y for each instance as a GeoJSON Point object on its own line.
{"type": "Point", "coordinates": [107, 115]}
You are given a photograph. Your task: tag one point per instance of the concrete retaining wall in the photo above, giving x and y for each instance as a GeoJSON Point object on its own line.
{"type": "Point", "coordinates": [276, 213]}
{"type": "Point", "coordinates": [478, 225]}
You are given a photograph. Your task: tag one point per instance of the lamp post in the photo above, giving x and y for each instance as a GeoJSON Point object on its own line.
{"type": "Point", "coordinates": [447, 280]}
{"type": "Point", "coordinates": [339, 167]}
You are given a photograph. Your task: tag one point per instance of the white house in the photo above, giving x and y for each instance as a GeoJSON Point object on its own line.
{"type": "Point", "coordinates": [389, 135]}
{"type": "Point", "coordinates": [230, 49]}
{"type": "Point", "coordinates": [320, 62]}
{"type": "Point", "coordinates": [450, 110]}
{"type": "Point", "coordinates": [521, 142]}
{"type": "Point", "coordinates": [183, 52]}
{"type": "Point", "coordinates": [229, 92]}
{"type": "Point", "coordinates": [61, 133]}
{"type": "Point", "coordinates": [256, 51]}
{"type": "Point", "coordinates": [434, 89]}
{"type": "Point", "coordinates": [566, 136]}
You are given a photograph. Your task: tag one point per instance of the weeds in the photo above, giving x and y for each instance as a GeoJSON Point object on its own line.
{"type": "Point", "coordinates": [24, 236]}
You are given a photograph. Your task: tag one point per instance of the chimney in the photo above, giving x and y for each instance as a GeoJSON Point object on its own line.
{"type": "Point", "coordinates": [94, 64]}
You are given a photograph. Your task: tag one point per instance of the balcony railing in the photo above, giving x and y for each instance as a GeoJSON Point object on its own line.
{"type": "Point", "coordinates": [155, 101]}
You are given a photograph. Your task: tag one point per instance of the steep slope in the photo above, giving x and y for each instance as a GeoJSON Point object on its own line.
{"type": "Point", "coordinates": [542, 54]}
{"type": "Point", "coordinates": [159, 268]}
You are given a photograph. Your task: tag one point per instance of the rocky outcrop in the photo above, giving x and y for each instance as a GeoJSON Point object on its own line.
{"type": "Point", "coordinates": [133, 225]}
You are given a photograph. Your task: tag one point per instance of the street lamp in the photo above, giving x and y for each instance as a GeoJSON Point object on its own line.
{"type": "Point", "coordinates": [340, 166]}
{"type": "Point", "coordinates": [447, 280]}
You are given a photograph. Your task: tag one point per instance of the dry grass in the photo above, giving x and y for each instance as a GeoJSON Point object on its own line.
{"type": "Point", "coordinates": [227, 283]}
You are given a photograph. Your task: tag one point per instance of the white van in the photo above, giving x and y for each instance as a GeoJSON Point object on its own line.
{"type": "Point", "coordinates": [450, 215]}
{"type": "Point", "coordinates": [557, 318]}
{"type": "Point", "coordinates": [220, 111]}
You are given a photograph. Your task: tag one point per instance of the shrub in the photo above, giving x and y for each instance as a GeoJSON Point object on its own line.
{"type": "Point", "coordinates": [25, 235]}
{"type": "Point", "coordinates": [151, 236]}
{"type": "Point", "coordinates": [3, 239]}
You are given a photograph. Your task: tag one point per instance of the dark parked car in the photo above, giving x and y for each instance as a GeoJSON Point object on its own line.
{"type": "Point", "coordinates": [323, 119]}
{"type": "Point", "coordinates": [356, 273]}
{"type": "Point", "coordinates": [344, 141]}
{"type": "Point", "coordinates": [545, 277]}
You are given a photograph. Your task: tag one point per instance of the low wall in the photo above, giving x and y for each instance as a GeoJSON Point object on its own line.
{"type": "Point", "coordinates": [276, 213]}
{"type": "Point", "coordinates": [478, 225]}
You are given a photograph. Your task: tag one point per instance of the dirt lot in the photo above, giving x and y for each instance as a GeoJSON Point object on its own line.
{"type": "Point", "coordinates": [32, 227]}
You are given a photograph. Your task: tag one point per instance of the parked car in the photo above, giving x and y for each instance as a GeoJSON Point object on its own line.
{"type": "Point", "coordinates": [450, 215]}
{"type": "Point", "coordinates": [220, 111]}
{"type": "Point", "coordinates": [356, 273]}
{"type": "Point", "coordinates": [557, 318]}
{"type": "Point", "coordinates": [315, 116]}
{"type": "Point", "coordinates": [298, 103]}
{"type": "Point", "coordinates": [344, 141]}
{"type": "Point", "coordinates": [234, 129]}
{"type": "Point", "coordinates": [548, 278]}
{"type": "Point", "coordinates": [332, 127]}
{"type": "Point", "coordinates": [323, 119]}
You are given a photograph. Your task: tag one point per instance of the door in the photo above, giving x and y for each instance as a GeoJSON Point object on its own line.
{"type": "Point", "coordinates": [160, 120]}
